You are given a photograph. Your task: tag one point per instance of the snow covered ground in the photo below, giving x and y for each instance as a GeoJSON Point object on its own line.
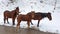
{"type": "Point", "coordinates": [26, 6]}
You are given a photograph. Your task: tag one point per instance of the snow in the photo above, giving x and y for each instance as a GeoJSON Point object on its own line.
{"type": "Point", "coordinates": [26, 6]}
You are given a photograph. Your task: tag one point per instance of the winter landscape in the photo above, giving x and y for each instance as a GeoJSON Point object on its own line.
{"type": "Point", "coordinates": [26, 6]}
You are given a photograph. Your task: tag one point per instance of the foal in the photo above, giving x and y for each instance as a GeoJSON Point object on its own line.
{"type": "Point", "coordinates": [26, 17]}
{"type": "Point", "coordinates": [11, 14]}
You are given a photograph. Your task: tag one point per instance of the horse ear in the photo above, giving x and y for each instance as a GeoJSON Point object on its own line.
{"type": "Point", "coordinates": [49, 13]}
{"type": "Point", "coordinates": [19, 12]}
{"type": "Point", "coordinates": [17, 7]}
{"type": "Point", "coordinates": [33, 11]}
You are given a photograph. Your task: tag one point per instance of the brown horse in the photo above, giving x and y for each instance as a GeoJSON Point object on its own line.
{"type": "Point", "coordinates": [38, 16]}
{"type": "Point", "coordinates": [26, 17]}
{"type": "Point", "coordinates": [11, 14]}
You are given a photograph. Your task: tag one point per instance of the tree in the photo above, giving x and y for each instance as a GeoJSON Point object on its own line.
{"type": "Point", "coordinates": [11, 1]}
{"type": "Point", "coordinates": [55, 5]}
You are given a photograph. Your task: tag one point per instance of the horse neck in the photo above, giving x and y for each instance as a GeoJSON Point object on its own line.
{"type": "Point", "coordinates": [14, 12]}
{"type": "Point", "coordinates": [43, 15]}
{"type": "Point", "coordinates": [29, 14]}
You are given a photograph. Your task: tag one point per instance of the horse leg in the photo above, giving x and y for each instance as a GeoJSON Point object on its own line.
{"type": "Point", "coordinates": [18, 25]}
{"type": "Point", "coordinates": [13, 21]}
{"type": "Point", "coordinates": [28, 24]}
{"type": "Point", "coordinates": [7, 21]}
{"type": "Point", "coordinates": [31, 23]}
{"type": "Point", "coordinates": [4, 20]}
{"type": "Point", "coordinates": [38, 23]}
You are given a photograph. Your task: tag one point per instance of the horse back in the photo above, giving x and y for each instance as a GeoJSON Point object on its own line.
{"type": "Point", "coordinates": [23, 17]}
{"type": "Point", "coordinates": [39, 15]}
{"type": "Point", "coordinates": [8, 14]}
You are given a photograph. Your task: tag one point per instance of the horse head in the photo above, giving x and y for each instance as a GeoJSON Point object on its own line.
{"type": "Point", "coordinates": [17, 10]}
{"type": "Point", "coordinates": [32, 14]}
{"type": "Point", "coordinates": [49, 16]}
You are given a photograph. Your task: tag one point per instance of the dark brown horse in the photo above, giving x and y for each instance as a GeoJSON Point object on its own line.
{"type": "Point", "coordinates": [28, 17]}
{"type": "Point", "coordinates": [38, 16]}
{"type": "Point", "coordinates": [11, 14]}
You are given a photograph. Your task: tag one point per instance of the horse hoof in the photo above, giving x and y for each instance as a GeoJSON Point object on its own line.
{"type": "Point", "coordinates": [32, 24]}
{"type": "Point", "coordinates": [17, 28]}
{"type": "Point", "coordinates": [37, 25]}
{"type": "Point", "coordinates": [8, 22]}
{"type": "Point", "coordinates": [28, 27]}
{"type": "Point", "coordinates": [13, 24]}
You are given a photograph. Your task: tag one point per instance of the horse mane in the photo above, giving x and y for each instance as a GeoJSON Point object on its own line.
{"type": "Point", "coordinates": [43, 14]}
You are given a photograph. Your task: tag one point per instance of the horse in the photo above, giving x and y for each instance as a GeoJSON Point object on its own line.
{"type": "Point", "coordinates": [11, 14]}
{"type": "Point", "coordinates": [39, 16]}
{"type": "Point", "coordinates": [28, 17]}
